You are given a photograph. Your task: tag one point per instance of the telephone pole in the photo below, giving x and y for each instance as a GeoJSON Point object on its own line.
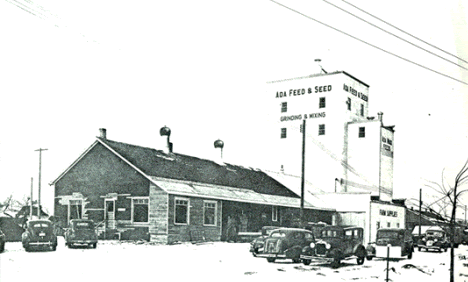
{"type": "Point", "coordinates": [39, 186]}
{"type": "Point", "coordinates": [303, 172]}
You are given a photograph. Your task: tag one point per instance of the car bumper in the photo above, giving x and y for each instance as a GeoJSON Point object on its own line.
{"type": "Point", "coordinates": [41, 243]}
{"type": "Point", "coordinates": [316, 258]}
{"type": "Point", "coordinates": [431, 247]}
{"type": "Point", "coordinates": [88, 241]}
{"type": "Point", "coordinates": [277, 256]}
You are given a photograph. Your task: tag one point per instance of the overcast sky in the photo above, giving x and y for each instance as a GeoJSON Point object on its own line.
{"type": "Point", "coordinates": [68, 68]}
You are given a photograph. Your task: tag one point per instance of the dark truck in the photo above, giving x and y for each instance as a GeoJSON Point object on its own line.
{"type": "Point", "coordinates": [399, 239]}
{"type": "Point", "coordinates": [81, 232]}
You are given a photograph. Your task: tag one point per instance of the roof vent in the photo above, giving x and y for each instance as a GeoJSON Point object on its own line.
{"type": "Point", "coordinates": [166, 131]}
{"type": "Point", "coordinates": [103, 133]}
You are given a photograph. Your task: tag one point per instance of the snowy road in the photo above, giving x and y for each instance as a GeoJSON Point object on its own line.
{"type": "Point", "coordinates": [116, 261]}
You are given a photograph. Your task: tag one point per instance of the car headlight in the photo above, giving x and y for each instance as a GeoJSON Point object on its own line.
{"type": "Point", "coordinates": [328, 246]}
{"type": "Point", "coordinates": [435, 240]}
{"type": "Point", "coordinates": [312, 245]}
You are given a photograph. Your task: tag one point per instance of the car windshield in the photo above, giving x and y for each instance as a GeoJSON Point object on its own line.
{"type": "Point", "coordinates": [389, 234]}
{"type": "Point", "coordinates": [330, 233]}
{"type": "Point", "coordinates": [435, 234]}
{"type": "Point", "coordinates": [39, 224]}
{"type": "Point", "coordinates": [83, 225]}
{"type": "Point", "coordinates": [278, 234]}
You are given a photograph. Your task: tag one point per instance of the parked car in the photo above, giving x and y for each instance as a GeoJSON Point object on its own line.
{"type": "Point", "coordinates": [286, 243]}
{"type": "Point", "coordinates": [400, 240]}
{"type": "Point", "coordinates": [257, 245]}
{"type": "Point", "coordinates": [335, 244]}
{"type": "Point", "coordinates": [2, 241]}
{"type": "Point", "coordinates": [39, 234]}
{"type": "Point", "coordinates": [81, 232]}
{"type": "Point", "coordinates": [434, 239]}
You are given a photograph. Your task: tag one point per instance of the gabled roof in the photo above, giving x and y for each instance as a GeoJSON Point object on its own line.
{"type": "Point", "coordinates": [191, 176]}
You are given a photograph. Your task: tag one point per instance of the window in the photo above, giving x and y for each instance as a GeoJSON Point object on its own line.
{"type": "Point", "coordinates": [321, 102]}
{"type": "Point", "coordinates": [321, 129]}
{"type": "Point", "coordinates": [389, 141]}
{"type": "Point", "coordinates": [383, 212]}
{"type": "Point", "coordinates": [274, 213]}
{"type": "Point", "coordinates": [388, 224]}
{"type": "Point", "coordinates": [75, 209]}
{"type": "Point", "coordinates": [181, 211]}
{"type": "Point", "coordinates": [348, 103]}
{"type": "Point", "coordinates": [362, 132]}
{"type": "Point", "coordinates": [348, 234]}
{"type": "Point", "coordinates": [362, 110]}
{"type": "Point", "coordinates": [209, 212]}
{"type": "Point", "coordinates": [378, 224]}
{"type": "Point", "coordinates": [398, 225]}
{"type": "Point", "coordinates": [140, 210]}
{"type": "Point", "coordinates": [283, 133]}
{"type": "Point", "coordinates": [284, 107]}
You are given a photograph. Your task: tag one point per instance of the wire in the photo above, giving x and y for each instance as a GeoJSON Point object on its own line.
{"type": "Point", "coordinates": [432, 53]}
{"type": "Point", "coordinates": [404, 31]}
{"type": "Point", "coordinates": [367, 43]}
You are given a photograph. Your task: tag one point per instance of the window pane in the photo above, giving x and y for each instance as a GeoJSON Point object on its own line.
{"type": "Point", "coordinates": [210, 214]}
{"type": "Point", "coordinates": [140, 213]}
{"type": "Point", "coordinates": [283, 132]}
{"type": "Point", "coordinates": [284, 107]}
{"type": "Point", "coordinates": [181, 211]}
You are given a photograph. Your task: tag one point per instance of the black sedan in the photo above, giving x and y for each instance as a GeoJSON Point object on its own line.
{"type": "Point", "coordinates": [39, 234]}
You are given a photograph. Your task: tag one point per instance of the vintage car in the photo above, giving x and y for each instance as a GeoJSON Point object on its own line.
{"type": "Point", "coordinates": [257, 245]}
{"type": "Point", "coordinates": [434, 239]}
{"type": "Point", "coordinates": [2, 241]}
{"type": "Point", "coordinates": [39, 233]}
{"type": "Point", "coordinates": [399, 239]}
{"type": "Point", "coordinates": [81, 232]}
{"type": "Point", "coordinates": [286, 243]}
{"type": "Point", "coordinates": [335, 244]}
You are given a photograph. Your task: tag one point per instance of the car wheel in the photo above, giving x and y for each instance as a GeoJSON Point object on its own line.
{"type": "Point", "coordinates": [369, 258]}
{"type": "Point", "coordinates": [27, 248]}
{"type": "Point", "coordinates": [336, 263]}
{"type": "Point", "coordinates": [410, 254]}
{"type": "Point", "coordinates": [445, 249]}
{"type": "Point", "coordinates": [296, 260]}
{"type": "Point", "coordinates": [419, 249]}
{"type": "Point", "coordinates": [360, 260]}
{"type": "Point", "coordinates": [54, 247]}
{"type": "Point", "coordinates": [306, 261]}
{"type": "Point", "coordinates": [271, 259]}
{"type": "Point", "coordinates": [94, 246]}
{"type": "Point", "coordinates": [2, 247]}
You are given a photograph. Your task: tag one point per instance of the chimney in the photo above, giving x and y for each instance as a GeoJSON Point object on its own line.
{"type": "Point", "coordinates": [219, 144]}
{"type": "Point", "coordinates": [282, 169]}
{"type": "Point", "coordinates": [166, 131]}
{"type": "Point", "coordinates": [103, 133]}
{"type": "Point", "coordinates": [380, 114]}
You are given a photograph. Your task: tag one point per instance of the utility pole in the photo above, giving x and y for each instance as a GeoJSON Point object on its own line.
{"type": "Point", "coordinates": [303, 172]}
{"type": "Point", "coordinates": [420, 204]}
{"type": "Point", "coordinates": [39, 192]}
{"type": "Point", "coordinates": [31, 203]}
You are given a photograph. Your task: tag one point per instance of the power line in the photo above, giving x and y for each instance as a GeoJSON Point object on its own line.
{"type": "Point", "coordinates": [432, 53]}
{"type": "Point", "coordinates": [399, 29]}
{"type": "Point", "coordinates": [367, 43]}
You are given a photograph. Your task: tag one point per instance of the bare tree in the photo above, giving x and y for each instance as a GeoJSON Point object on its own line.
{"type": "Point", "coordinates": [452, 193]}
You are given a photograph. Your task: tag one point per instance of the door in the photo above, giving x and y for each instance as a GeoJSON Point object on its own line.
{"type": "Point", "coordinates": [109, 213]}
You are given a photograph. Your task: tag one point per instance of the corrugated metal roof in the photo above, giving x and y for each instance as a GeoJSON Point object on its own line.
{"type": "Point", "coordinates": [228, 193]}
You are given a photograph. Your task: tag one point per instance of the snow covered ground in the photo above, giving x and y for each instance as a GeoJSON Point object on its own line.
{"type": "Point", "coordinates": [130, 261]}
